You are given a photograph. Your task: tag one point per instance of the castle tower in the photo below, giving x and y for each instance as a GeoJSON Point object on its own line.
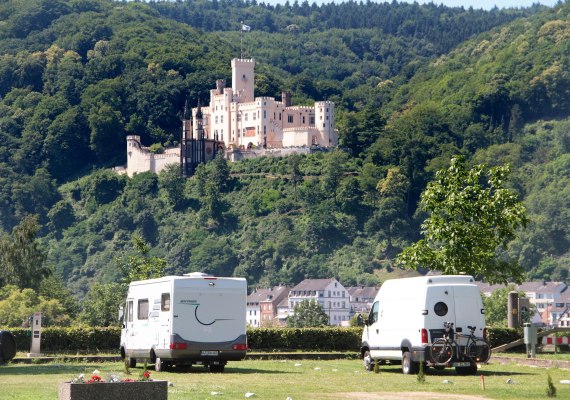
{"type": "Point", "coordinates": [324, 122]}
{"type": "Point", "coordinates": [243, 79]}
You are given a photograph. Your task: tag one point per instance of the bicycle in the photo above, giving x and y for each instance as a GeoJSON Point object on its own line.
{"type": "Point", "coordinates": [443, 350]}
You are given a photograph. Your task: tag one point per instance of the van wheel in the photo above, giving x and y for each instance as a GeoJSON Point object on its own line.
{"type": "Point", "coordinates": [470, 370]}
{"type": "Point", "coordinates": [368, 361]}
{"type": "Point", "coordinates": [409, 367]}
{"type": "Point", "coordinates": [131, 362]}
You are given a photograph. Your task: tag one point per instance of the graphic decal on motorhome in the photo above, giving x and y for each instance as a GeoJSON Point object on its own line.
{"type": "Point", "coordinates": [195, 303]}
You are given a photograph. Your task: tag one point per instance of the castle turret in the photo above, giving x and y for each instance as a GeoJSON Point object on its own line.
{"type": "Point", "coordinates": [243, 78]}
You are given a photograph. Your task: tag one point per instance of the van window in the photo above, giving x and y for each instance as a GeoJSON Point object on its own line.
{"type": "Point", "coordinates": [129, 312]}
{"type": "Point", "coordinates": [373, 317]}
{"type": "Point", "coordinates": [440, 308]}
{"type": "Point", "coordinates": [165, 302]}
{"type": "Point", "coordinates": [143, 309]}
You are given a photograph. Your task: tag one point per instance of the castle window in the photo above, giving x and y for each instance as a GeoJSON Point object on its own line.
{"type": "Point", "coordinates": [222, 119]}
{"type": "Point", "coordinates": [324, 125]}
{"type": "Point", "coordinates": [303, 120]}
{"type": "Point", "coordinates": [290, 118]}
{"type": "Point", "coordinates": [216, 119]}
{"type": "Point", "coordinates": [246, 116]}
{"type": "Point", "coordinates": [312, 120]}
{"type": "Point", "coordinates": [279, 116]}
{"type": "Point", "coordinates": [264, 113]}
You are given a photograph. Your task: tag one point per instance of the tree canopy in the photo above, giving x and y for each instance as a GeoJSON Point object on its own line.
{"type": "Point", "coordinates": [472, 218]}
{"type": "Point", "coordinates": [308, 314]}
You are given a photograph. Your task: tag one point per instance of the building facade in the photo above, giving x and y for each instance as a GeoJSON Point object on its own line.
{"type": "Point", "coordinates": [242, 121]}
{"type": "Point", "coordinates": [329, 293]}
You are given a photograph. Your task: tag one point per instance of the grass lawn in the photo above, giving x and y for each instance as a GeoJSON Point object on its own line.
{"type": "Point", "coordinates": [297, 379]}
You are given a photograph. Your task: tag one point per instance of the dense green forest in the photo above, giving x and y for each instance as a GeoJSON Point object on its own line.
{"type": "Point", "coordinates": [413, 84]}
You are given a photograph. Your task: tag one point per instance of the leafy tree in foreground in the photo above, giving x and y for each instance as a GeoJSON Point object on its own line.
{"type": "Point", "coordinates": [472, 219]}
{"type": "Point", "coordinates": [308, 314]}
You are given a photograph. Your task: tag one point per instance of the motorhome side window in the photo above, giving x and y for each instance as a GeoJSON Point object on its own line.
{"type": "Point", "coordinates": [165, 302]}
{"type": "Point", "coordinates": [374, 313]}
{"type": "Point", "coordinates": [143, 309]}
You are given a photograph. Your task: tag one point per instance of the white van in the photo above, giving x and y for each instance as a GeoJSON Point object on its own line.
{"type": "Point", "coordinates": [408, 315]}
{"type": "Point", "coordinates": [185, 320]}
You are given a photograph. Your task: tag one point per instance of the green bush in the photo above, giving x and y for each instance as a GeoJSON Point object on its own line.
{"type": "Point", "coordinates": [92, 340]}
{"type": "Point", "coordinates": [500, 336]}
{"type": "Point", "coordinates": [85, 340]}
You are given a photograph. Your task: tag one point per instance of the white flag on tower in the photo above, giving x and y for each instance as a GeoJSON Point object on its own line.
{"type": "Point", "coordinates": [246, 28]}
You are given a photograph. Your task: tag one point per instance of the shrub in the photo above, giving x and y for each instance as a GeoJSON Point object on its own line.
{"type": "Point", "coordinates": [88, 339]}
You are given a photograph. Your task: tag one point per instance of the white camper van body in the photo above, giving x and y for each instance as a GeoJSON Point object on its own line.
{"type": "Point", "coordinates": [185, 320]}
{"type": "Point", "coordinates": [409, 314]}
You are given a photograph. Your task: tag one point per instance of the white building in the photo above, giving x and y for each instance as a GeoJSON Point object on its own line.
{"type": "Point", "coordinates": [253, 309]}
{"type": "Point", "coordinates": [329, 293]}
{"type": "Point", "coordinates": [241, 120]}
{"type": "Point", "coordinates": [361, 298]}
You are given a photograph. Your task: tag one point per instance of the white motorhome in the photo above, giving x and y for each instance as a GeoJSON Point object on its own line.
{"type": "Point", "coordinates": [409, 314]}
{"type": "Point", "coordinates": [185, 320]}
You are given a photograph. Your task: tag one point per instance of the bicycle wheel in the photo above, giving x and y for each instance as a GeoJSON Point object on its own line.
{"type": "Point", "coordinates": [440, 352]}
{"type": "Point", "coordinates": [479, 351]}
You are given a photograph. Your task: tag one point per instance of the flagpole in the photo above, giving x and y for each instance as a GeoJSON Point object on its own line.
{"type": "Point", "coordinates": [241, 41]}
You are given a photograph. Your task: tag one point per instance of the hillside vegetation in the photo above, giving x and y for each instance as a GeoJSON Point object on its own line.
{"type": "Point", "coordinates": [413, 85]}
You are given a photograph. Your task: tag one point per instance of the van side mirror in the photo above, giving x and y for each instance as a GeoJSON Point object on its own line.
{"type": "Point", "coordinates": [121, 316]}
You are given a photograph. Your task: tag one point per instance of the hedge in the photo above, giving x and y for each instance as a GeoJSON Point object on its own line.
{"type": "Point", "coordinates": [93, 340]}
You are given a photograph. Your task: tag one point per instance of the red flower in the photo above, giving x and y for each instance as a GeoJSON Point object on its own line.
{"type": "Point", "coordinates": [146, 374]}
{"type": "Point", "coordinates": [95, 379]}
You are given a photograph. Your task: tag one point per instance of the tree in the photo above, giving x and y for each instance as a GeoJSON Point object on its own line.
{"type": "Point", "coordinates": [308, 314]}
{"type": "Point", "coordinates": [17, 305]}
{"type": "Point", "coordinates": [21, 257]}
{"type": "Point", "coordinates": [141, 265]}
{"type": "Point", "coordinates": [496, 307]}
{"type": "Point", "coordinates": [473, 217]}
{"type": "Point", "coordinates": [101, 305]}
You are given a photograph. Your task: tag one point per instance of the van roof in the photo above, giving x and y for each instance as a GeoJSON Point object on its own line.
{"type": "Point", "coordinates": [438, 279]}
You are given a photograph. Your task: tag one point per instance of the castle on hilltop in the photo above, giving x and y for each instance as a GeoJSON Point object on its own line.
{"type": "Point", "coordinates": [241, 125]}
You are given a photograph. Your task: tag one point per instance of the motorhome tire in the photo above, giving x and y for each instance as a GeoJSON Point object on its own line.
{"type": "Point", "coordinates": [368, 361]}
{"type": "Point", "coordinates": [158, 364]}
{"type": "Point", "coordinates": [409, 367]}
{"type": "Point", "coordinates": [217, 368]}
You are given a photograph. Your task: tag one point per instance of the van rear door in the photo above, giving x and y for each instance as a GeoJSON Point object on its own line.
{"type": "Point", "coordinates": [468, 310]}
{"type": "Point", "coordinates": [440, 307]}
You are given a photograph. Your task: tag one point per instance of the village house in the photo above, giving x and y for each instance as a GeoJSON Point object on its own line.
{"type": "Point", "coordinates": [329, 293]}
{"type": "Point", "coordinates": [261, 307]}
{"type": "Point", "coordinates": [361, 299]}
{"type": "Point", "coordinates": [548, 297]}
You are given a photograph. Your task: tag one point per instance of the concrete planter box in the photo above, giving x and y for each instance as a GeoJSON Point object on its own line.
{"type": "Point", "coordinates": [149, 390]}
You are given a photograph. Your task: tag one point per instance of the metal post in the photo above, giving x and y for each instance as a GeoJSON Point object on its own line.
{"type": "Point", "coordinates": [513, 310]}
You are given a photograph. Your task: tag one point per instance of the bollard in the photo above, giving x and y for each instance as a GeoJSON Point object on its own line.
{"type": "Point", "coordinates": [513, 310]}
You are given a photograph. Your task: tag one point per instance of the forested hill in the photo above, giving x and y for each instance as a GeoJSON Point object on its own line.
{"type": "Point", "coordinates": [442, 26]}
{"type": "Point", "coordinates": [76, 76]}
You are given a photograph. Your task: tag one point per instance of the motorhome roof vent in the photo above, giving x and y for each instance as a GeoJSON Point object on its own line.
{"type": "Point", "coordinates": [197, 274]}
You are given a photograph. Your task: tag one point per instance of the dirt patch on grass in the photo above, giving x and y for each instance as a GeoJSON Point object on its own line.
{"type": "Point", "coordinates": [401, 395]}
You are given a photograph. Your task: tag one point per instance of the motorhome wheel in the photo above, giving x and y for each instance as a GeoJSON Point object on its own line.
{"type": "Point", "coordinates": [368, 361]}
{"type": "Point", "coordinates": [409, 367]}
